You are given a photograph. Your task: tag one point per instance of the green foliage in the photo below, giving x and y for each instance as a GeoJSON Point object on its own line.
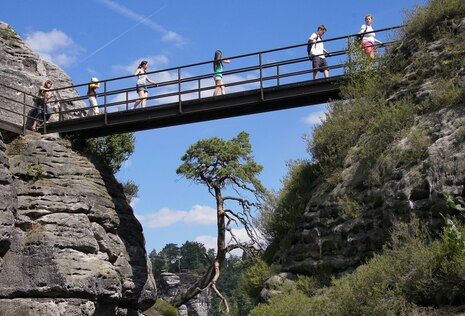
{"type": "Point", "coordinates": [7, 33]}
{"type": "Point", "coordinates": [422, 19]}
{"type": "Point", "coordinates": [222, 163]}
{"type": "Point", "coordinates": [131, 190]}
{"type": "Point", "coordinates": [162, 308]}
{"type": "Point", "coordinates": [112, 150]}
{"type": "Point", "coordinates": [284, 210]}
{"type": "Point", "coordinates": [239, 302]}
{"type": "Point", "coordinates": [190, 257]}
{"type": "Point", "coordinates": [193, 257]}
{"type": "Point", "coordinates": [447, 92]}
{"type": "Point", "coordinates": [253, 279]}
{"type": "Point", "coordinates": [35, 172]}
{"type": "Point", "coordinates": [417, 143]}
{"type": "Point", "coordinates": [293, 300]}
{"type": "Point", "coordinates": [351, 207]}
{"type": "Point", "coordinates": [454, 239]}
{"type": "Point", "coordinates": [294, 303]}
{"type": "Point", "coordinates": [413, 271]}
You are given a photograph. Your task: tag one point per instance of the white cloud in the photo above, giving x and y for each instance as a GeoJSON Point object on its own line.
{"type": "Point", "coordinates": [198, 214]}
{"type": "Point", "coordinates": [315, 118]}
{"type": "Point", "coordinates": [167, 35]}
{"type": "Point", "coordinates": [171, 36]}
{"type": "Point", "coordinates": [208, 241]}
{"type": "Point", "coordinates": [54, 46]}
{"type": "Point", "coordinates": [162, 218]}
{"type": "Point", "coordinates": [156, 61]}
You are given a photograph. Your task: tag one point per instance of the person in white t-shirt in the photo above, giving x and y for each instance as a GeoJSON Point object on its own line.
{"type": "Point", "coordinates": [317, 53]}
{"type": "Point", "coordinates": [369, 40]}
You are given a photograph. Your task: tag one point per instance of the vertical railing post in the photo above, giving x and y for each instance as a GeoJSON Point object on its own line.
{"type": "Point", "coordinates": [198, 86]}
{"type": "Point", "coordinates": [179, 90]}
{"type": "Point", "coordinates": [261, 77]}
{"type": "Point", "coordinates": [45, 109]}
{"type": "Point", "coordinates": [105, 102]}
{"type": "Point", "coordinates": [349, 54]}
{"type": "Point", "coordinates": [127, 100]}
{"type": "Point", "coordinates": [24, 113]}
{"type": "Point", "coordinates": [277, 75]}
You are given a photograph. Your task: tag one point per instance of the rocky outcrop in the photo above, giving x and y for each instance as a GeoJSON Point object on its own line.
{"type": "Point", "coordinates": [346, 223]}
{"type": "Point", "coordinates": [25, 71]}
{"type": "Point", "coordinates": [170, 284]}
{"type": "Point", "coordinates": [69, 241]}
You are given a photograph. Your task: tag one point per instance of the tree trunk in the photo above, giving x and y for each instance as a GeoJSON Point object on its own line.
{"type": "Point", "coordinates": [212, 274]}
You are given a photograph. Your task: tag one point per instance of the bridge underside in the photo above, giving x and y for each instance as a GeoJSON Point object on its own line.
{"type": "Point", "coordinates": [205, 109]}
{"type": "Point", "coordinates": [10, 127]}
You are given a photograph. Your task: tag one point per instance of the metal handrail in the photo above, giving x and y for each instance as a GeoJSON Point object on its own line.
{"type": "Point", "coordinates": [260, 68]}
{"type": "Point", "coordinates": [200, 77]}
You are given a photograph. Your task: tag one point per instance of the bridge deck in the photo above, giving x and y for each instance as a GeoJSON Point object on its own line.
{"type": "Point", "coordinates": [235, 104]}
{"type": "Point", "coordinates": [270, 80]}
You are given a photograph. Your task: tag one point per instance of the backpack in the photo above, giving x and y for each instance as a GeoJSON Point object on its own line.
{"type": "Point", "coordinates": [310, 45]}
{"type": "Point", "coordinates": [359, 37]}
{"type": "Point", "coordinates": [309, 48]}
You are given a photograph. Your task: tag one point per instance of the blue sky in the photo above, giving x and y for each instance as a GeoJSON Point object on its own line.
{"type": "Point", "coordinates": [108, 38]}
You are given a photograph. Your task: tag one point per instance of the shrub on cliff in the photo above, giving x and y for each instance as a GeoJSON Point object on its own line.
{"type": "Point", "coordinates": [413, 272]}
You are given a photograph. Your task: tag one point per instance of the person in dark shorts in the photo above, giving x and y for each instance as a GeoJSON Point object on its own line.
{"type": "Point", "coordinates": [318, 52]}
{"type": "Point", "coordinates": [40, 104]}
{"type": "Point", "coordinates": [141, 84]}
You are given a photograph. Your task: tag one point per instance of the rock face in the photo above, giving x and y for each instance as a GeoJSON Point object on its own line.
{"type": "Point", "coordinates": [170, 284]}
{"type": "Point", "coordinates": [346, 223]}
{"type": "Point", "coordinates": [69, 241]}
{"type": "Point", "coordinates": [25, 71]}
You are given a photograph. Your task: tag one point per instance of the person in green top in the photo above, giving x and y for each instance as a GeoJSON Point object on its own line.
{"type": "Point", "coordinates": [218, 72]}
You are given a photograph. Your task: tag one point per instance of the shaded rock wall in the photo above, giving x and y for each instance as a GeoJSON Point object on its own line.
{"type": "Point", "coordinates": [346, 223]}
{"type": "Point", "coordinates": [69, 241]}
{"type": "Point", "coordinates": [170, 284]}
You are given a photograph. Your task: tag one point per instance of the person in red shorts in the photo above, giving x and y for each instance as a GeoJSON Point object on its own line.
{"type": "Point", "coordinates": [369, 37]}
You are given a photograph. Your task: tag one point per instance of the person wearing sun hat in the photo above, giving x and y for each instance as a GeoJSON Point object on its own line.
{"type": "Point", "coordinates": [92, 94]}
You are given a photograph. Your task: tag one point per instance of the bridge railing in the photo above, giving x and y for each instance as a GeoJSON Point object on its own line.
{"type": "Point", "coordinates": [257, 70]}
{"type": "Point", "coordinates": [19, 109]}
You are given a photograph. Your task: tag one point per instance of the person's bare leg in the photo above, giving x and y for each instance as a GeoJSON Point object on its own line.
{"type": "Point", "coordinates": [144, 100]}
{"type": "Point", "coordinates": [217, 88]}
{"type": "Point", "coordinates": [138, 100]}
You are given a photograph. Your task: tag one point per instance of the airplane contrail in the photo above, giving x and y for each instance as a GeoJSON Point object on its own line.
{"type": "Point", "coordinates": [120, 35]}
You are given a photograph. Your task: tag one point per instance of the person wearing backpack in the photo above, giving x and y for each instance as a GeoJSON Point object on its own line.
{"type": "Point", "coordinates": [317, 52]}
{"type": "Point", "coordinates": [368, 39]}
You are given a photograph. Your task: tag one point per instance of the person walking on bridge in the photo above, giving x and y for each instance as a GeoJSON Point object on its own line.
{"type": "Point", "coordinates": [218, 72]}
{"type": "Point", "coordinates": [141, 85]}
{"type": "Point", "coordinates": [317, 53]}
{"type": "Point", "coordinates": [93, 85]}
{"type": "Point", "coordinates": [369, 40]}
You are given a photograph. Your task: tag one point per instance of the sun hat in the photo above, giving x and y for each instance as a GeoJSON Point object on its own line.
{"type": "Point", "coordinates": [94, 79]}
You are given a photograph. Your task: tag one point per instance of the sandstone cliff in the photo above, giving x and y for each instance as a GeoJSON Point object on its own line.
{"type": "Point", "coordinates": [24, 70]}
{"type": "Point", "coordinates": [345, 223]}
{"type": "Point", "coordinates": [69, 241]}
{"type": "Point", "coordinates": [170, 284]}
